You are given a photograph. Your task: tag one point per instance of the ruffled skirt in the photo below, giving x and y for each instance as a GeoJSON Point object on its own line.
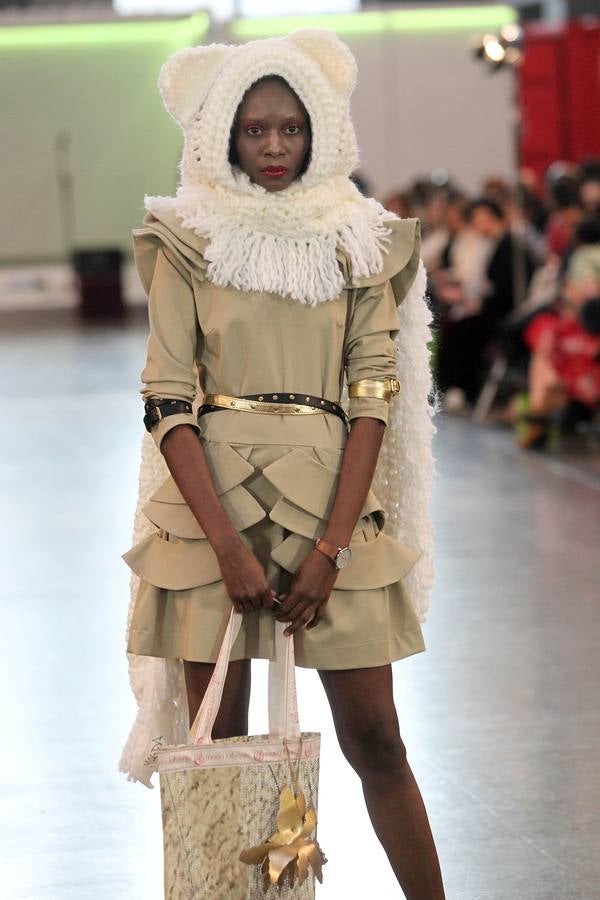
{"type": "Point", "coordinates": [279, 498]}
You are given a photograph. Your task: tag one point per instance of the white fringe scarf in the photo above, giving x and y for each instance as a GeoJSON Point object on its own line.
{"type": "Point", "coordinates": [283, 242]}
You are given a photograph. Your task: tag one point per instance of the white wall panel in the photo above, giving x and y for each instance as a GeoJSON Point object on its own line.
{"type": "Point", "coordinates": [422, 101]}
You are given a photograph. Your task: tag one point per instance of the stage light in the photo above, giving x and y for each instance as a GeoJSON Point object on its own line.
{"type": "Point", "coordinates": [511, 33]}
{"type": "Point", "coordinates": [513, 56]}
{"type": "Point", "coordinates": [493, 49]}
{"type": "Point", "coordinates": [504, 49]}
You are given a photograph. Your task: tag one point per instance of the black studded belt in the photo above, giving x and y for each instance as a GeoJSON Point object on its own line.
{"type": "Point", "coordinates": [283, 404]}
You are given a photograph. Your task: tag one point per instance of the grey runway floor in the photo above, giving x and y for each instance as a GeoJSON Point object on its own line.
{"type": "Point", "coordinates": [500, 715]}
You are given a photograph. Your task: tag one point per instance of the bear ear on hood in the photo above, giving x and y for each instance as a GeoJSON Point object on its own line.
{"type": "Point", "coordinates": [186, 78]}
{"type": "Point", "coordinates": [331, 55]}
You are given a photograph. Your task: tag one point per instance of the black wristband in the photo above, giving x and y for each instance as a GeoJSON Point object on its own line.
{"type": "Point", "coordinates": [158, 409]}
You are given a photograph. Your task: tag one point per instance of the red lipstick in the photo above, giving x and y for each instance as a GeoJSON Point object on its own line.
{"type": "Point", "coordinates": [274, 171]}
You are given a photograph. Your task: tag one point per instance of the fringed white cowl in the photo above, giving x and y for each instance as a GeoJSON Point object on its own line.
{"type": "Point", "coordinates": [283, 243]}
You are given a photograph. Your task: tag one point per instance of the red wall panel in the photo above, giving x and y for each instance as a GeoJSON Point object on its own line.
{"type": "Point", "coordinates": [582, 52]}
{"type": "Point", "coordinates": [559, 94]}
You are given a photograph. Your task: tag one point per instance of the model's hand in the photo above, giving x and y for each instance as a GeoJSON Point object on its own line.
{"type": "Point", "coordinates": [304, 602]}
{"type": "Point", "coordinates": [245, 579]}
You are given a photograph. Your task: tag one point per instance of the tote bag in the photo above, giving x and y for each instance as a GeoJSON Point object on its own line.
{"type": "Point", "coordinates": [239, 814]}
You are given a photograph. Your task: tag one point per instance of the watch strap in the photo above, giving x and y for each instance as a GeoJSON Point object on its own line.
{"type": "Point", "coordinates": [327, 549]}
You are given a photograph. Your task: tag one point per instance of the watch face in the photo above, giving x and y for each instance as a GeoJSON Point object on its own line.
{"type": "Point", "coordinates": [342, 557]}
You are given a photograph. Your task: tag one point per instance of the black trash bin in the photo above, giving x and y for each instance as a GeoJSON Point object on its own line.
{"type": "Point", "coordinates": [98, 275]}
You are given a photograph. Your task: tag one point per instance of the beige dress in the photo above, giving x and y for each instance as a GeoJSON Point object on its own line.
{"type": "Point", "coordinates": [276, 474]}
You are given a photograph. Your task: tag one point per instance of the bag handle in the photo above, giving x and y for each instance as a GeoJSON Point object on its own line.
{"type": "Point", "coordinates": [283, 702]}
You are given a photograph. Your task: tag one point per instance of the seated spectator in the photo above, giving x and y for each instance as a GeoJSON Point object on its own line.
{"type": "Point", "coordinates": [398, 202]}
{"type": "Point", "coordinates": [434, 231]}
{"type": "Point", "coordinates": [563, 184]}
{"type": "Point", "coordinates": [499, 191]}
{"type": "Point", "coordinates": [587, 234]}
{"type": "Point", "coordinates": [564, 370]}
{"type": "Point", "coordinates": [529, 216]}
{"type": "Point", "coordinates": [529, 199]}
{"type": "Point", "coordinates": [464, 259]}
{"type": "Point", "coordinates": [589, 189]}
{"type": "Point", "coordinates": [461, 361]}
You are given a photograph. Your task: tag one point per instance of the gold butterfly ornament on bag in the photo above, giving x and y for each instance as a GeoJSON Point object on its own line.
{"type": "Point", "coordinates": [289, 852]}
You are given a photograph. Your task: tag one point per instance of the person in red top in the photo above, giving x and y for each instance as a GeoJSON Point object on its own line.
{"type": "Point", "coordinates": [565, 361]}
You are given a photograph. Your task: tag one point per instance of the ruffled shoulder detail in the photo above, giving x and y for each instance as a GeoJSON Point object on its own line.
{"type": "Point", "coordinates": [400, 259]}
{"type": "Point", "coordinates": [184, 249]}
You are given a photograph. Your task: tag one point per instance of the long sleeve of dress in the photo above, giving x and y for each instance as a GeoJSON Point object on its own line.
{"type": "Point", "coordinates": [170, 372]}
{"type": "Point", "coordinates": [370, 349]}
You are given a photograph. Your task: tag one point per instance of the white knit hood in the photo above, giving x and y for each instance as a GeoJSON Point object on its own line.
{"type": "Point", "coordinates": [283, 242]}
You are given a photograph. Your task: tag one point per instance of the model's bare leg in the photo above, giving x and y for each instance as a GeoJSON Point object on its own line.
{"type": "Point", "coordinates": [366, 723]}
{"type": "Point", "coordinates": [232, 718]}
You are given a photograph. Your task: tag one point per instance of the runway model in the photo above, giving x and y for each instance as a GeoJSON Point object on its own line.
{"type": "Point", "coordinates": [293, 308]}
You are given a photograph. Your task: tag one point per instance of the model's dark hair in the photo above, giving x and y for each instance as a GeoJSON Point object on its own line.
{"type": "Point", "coordinates": [232, 153]}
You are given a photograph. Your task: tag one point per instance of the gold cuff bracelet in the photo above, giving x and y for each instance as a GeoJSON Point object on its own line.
{"type": "Point", "coordinates": [380, 389]}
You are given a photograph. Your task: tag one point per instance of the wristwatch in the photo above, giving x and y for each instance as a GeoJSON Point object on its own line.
{"type": "Point", "coordinates": [339, 556]}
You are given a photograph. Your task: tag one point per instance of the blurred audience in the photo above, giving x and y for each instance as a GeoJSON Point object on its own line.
{"type": "Point", "coordinates": [514, 276]}
{"type": "Point", "coordinates": [589, 190]}
{"type": "Point", "coordinates": [464, 258]}
{"type": "Point", "coordinates": [564, 369]}
{"type": "Point", "coordinates": [398, 203]}
{"type": "Point", "coordinates": [470, 316]}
